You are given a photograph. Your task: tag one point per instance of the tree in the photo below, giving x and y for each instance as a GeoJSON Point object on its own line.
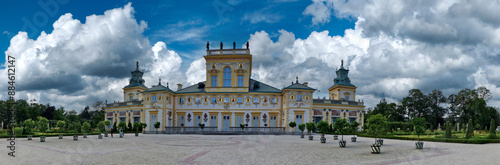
{"type": "Point", "coordinates": [43, 124]}
{"type": "Point", "coordinates": [292, 124]}
{"type": "Point", "coordinates": [102, 126]}
{"type": "Point", "coordinates": [157, 125]}
{"type": "Point", "coordinates": [144, 125]}
{"type": "Point", "coordinates": [354, 127]}
{"type": "Point", "coordinates": [49, 112]}
{"type": "Point", "coordinates": [493, 133]}
{"type": "Point", "coordinates": [137, 125]}
{"type": "Point", "coordinates": [61, 124]}
{"type": "Point", "coordinates": [377, 125]}
{"type": "Point", "coordinates": [391, 110]}
{"type": "Point", "coordinates": [435, 99]}
{"type": "Point", "coordinates": [415, 104]}
{"type": "Point", "coordinates": [75, 126]}
{"type": "Point", "coordinates": [470, 130]}
{"type": "Point", "coordinates": [122, 124]}
{"type": "Point", "coordinates": [419, 126]}
{"type": "Point", "coordinates": [107, 123]}
{"type": "Point", "coordinates": [323, 127]}
{"type": "Point", "coordinates": [129, 127]}
{"type": "Point", "coordinates": [447, 133]}
{"type": "Point", "coordinates": [86, 127]}
{"type": "Point", "coordinates": [342, 127]}
{"type": "Point", "coordinates": [28, 126]}
{"type": "Point", "coordinates": [114, 127]}
{"type": "Point", "coordinates": [302, 127]}
{"type": "Point", "coordinates": [310, 127]}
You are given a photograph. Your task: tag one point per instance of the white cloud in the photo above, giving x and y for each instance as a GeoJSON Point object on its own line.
{"type": "Point", "coordinates": [319, 11]}
{"type": "Point", "coordinates": [262, 16]}
{"type": "Point", "coordinates": [80, 63]}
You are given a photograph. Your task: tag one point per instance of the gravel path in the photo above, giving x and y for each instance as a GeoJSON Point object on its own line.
{"type": "Point", "coordinates": [240, 149]}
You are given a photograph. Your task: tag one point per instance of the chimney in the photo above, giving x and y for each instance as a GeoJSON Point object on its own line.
{"type": "Point", "coordinates": [179, 87]}
{"type": "Point", "coordinates": [305, 83]}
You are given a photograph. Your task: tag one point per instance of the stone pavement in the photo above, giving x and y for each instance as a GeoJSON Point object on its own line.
{"type": "Point", "coordinates": [240, 149]}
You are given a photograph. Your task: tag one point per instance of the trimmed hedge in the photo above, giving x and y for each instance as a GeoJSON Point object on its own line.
{"type": "Point", "coordinates": [37, 134]}
{"type": "Point", "coordinates": [449, 140]}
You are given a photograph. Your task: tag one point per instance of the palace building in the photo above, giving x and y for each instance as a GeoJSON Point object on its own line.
{"type": "Point", "coordinates": [230, 97]}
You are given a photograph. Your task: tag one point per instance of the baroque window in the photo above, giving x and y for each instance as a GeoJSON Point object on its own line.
{"type": "Point", "coordinates": [227, 77]}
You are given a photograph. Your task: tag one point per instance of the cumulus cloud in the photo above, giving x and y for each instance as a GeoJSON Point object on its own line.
{"type": "Point", "coordinates": [447, 45]}
{"type": "Point", "coordinates": [80, 63]}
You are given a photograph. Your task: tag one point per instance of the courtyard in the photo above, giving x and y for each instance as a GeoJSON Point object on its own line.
{"type": "Point", "coordinates": [240, 149]}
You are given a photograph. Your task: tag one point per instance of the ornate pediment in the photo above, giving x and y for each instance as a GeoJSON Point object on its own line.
{"type": "Point", "coordinates": [213, 71]}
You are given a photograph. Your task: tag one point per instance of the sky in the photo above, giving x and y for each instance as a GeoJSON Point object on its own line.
{"type": "Point", "coordinates": [73, 53]}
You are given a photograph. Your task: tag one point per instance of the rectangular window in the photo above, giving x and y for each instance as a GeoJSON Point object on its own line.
{"type": "Point", "coordinates": [299, 97]}
{"type": "Point", "coordinates": [197, 100]}
{"type": "Point", "coordinates": [256, 100]}
{"type": "Point", "coordinates": [214, 100]}
{"type": "Point", "coordinates": [346, 98]}
{"type": "Point", "coordinates": [153, 98]}
{"type": "Point", "coordinates": [214, 81]}
{"type": "Point", "coordinates": [181, 100]}
{"type": "Point", "coordinates": [137, 119]}
{"type": "Point", "coordinates": [299, 116]}
{"type": "Point", "coordinates": [131, 98]}
{"type": "Point", "coordinates": [226, 99]}
{"type": "Point", "coordinates": [240, 81]}
{"type": "Point", "coordinates": [239, 100]}
{"type": "Point", "coordinates": [273, 117]}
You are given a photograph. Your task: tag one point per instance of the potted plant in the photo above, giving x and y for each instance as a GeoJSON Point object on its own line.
{"type": "Point", "coordinates": [144, 125]}
{"type": "Point", "coordinates": [43, 125]}
{"type": "Point", "coordinates": [342, 126]}
{"type": "Point", "coordinates": [107, 123]}
{"type": "Point", "coordinates": [85, 129]}
{"type": "Point", "coordinates": [354, 129]}
{"type": "Point", "coordinates": [102, 128]}
{"type": "Point", "coordinates": [310, 127]}
{"type": "Point", "coordinates": [292, 125]}
{"type": "Point", "coordinates": [60, 125]}
{"type": "Point", "coordinates": [242, 127]}
{"type": "Point", "coordinates": [302, 127]}
{"type": "Point", "coordinates": [377, 126]}
{"type": "Point", "coordinates": [201, 126]}
{"type": "Point", "coordinates": [28, 126]}
{"type": "Point", "coordinates": [418, 125]}
{"type": "Point", "coordinates": [136, 126]}
{"type": "Point", "coordinates": [157, 125]}
{"type": "Point", "coordinates": [323, 128]}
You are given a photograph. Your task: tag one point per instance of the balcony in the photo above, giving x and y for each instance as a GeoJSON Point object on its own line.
{"type": "Point", "coordinates": [228, 52]}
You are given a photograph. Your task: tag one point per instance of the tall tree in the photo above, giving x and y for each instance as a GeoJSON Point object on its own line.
{"type": "Point", "coordinates": [415, 104]}
{"type": "Point", "coordinates": [435, 99]}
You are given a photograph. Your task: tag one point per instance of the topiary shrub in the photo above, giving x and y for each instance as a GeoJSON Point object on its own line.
{"type": "Point", "coordinates": [493, 133]}
{"type": "Point", "coordinates": [447, 133]}
{"type": "Point", "coordinates": [292, 125]}
{"type": "Point", "coordinates": [28, 126]}
{"type": "Point", "coordinates": [86, 127]}
{"type": "Point", "coordinates": [102, 126]}
{"type": "Point", "coordinates": [60, 125]}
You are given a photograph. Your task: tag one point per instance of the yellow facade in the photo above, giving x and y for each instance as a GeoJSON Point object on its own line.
{"type": "Point", "coordinates": [230, 97]}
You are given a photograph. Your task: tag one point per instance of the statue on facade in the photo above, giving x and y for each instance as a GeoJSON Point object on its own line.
{"type": "Point", "coordinates": [221, 45]}
{"type": "Point", "coordinates": [234, 45]}
{"type": "Point", "coordinates": [247, 44]}
{"type": "Point", "coordinates": [208, 45]}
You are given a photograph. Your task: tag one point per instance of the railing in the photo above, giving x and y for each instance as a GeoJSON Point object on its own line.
{"type": "Point", "coordinates": [228, 52]}
{"type": "Point", "coordinates": [118, 104]}
{"type": "Point", "coordinates": [189, 129]}
{"type": "Point", "coordinates": [259, 129]}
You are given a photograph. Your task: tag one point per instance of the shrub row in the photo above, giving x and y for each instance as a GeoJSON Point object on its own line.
{"type": "Point", "coordinates": [450, 140]}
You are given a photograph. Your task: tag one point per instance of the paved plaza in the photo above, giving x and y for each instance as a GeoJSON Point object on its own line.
{"type": "Point", "coordinates": [240, 149]}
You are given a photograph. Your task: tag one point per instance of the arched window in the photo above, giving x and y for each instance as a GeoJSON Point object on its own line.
{"type": "Point", "coordinates": [227, 77]}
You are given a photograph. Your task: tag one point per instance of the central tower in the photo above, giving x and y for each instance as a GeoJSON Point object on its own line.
{"type": "Point", "coordinates": [228, 70]}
